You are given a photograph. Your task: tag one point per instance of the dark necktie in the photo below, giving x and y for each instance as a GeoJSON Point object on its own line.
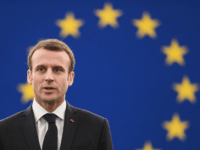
{"type": "Point", "coordinates": [50, 139]}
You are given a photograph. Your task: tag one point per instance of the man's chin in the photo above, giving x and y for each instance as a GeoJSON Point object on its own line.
{"type": "Point", "coordinates": [49, 101]}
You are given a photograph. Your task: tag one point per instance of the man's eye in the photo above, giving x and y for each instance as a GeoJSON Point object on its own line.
{"type": "Point", "coordinates": [57, 69]}
{"type": "Point", "coordinates": [41, 69]}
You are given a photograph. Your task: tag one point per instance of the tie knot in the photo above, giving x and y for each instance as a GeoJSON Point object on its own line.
{"type": "Point", "coordinates": [50, 118]}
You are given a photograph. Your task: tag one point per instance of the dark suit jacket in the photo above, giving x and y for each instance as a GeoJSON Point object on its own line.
{"type": "Point", "coordinates": [87, 132]}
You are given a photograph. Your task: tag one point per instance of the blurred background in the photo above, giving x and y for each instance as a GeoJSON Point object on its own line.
{"type": "Point", "coordinates": [137, 64]}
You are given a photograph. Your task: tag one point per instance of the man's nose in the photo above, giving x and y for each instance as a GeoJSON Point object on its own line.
{"type": "Point", "coordinates": [49, 76]}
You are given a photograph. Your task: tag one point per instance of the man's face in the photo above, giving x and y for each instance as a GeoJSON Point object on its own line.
{"type": "Point", "coordinates": [49, 77]}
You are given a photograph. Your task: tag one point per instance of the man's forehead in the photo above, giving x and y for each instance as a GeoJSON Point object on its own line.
{"type": "Point", "coordinates": [50, 64]}
{"type": "Point", "coordinates": [44, 51]}
{"type": "Point", "coordinates": [50, 58]}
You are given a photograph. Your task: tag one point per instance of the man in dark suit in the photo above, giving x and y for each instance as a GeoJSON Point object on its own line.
{"type": "Point", "coordinates": [51, 123]}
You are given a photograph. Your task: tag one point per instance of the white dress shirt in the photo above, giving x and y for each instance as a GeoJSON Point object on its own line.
{"type": "Point", "coordinates": [42, 125]}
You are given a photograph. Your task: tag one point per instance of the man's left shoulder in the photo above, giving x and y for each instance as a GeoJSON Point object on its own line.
{"type": "Point", "coordinates": [88, 116]}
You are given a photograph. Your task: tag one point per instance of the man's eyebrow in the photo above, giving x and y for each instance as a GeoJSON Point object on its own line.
{"type": "Point", "coordinates": [40, 66]}
{"type": "Point", "coordinates": [54, 66]}
{"type": "Point", "coordinates": [58, 66]}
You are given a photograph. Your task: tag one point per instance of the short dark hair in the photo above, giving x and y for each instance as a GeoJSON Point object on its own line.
{"type": "Point", "coordinates": [52, 45]}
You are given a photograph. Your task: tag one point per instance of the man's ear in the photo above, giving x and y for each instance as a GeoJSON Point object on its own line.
{"type": "Point", "coordinates": [29, 77]}
{"type": "Point", "coordinates": [71, 78]}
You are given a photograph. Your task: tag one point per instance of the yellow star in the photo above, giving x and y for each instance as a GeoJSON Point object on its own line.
{"type": "Point", "coordinates": [174, 53]}
{"type": "Point", "coordinates": [176, 128]}
{"type": "Point", "coordinates": [146, 26]}
{"type": "Point", "coordinates": [69, 26]}
{"type": "Point", "coordinates": [186, 90]}
{"type": "Point", "coordinates": [148, 146]}
{"type": "Point", "coordinates": [108, 16]}
{"type": "Point", "coordinates": [27, 91]}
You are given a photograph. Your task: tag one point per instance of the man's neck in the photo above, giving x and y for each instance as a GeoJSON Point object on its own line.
{"type": "Point", "coordinates": [50, 106]}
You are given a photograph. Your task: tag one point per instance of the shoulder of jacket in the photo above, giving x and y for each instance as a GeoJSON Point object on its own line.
{"type": "Point", "coordinates": [13, 118]}
{"type": "Point", "coordinates": [87, 115]}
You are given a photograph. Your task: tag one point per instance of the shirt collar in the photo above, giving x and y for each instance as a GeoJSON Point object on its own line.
{"type": "Point", "coordinates": [60, 111]}
{"type": "Point", "coordinates": [39, 111]}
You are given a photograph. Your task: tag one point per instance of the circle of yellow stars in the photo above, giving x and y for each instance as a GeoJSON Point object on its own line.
{"type": "Point", "coordinates": [146, 26]}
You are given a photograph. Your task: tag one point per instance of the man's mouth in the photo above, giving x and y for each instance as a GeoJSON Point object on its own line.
{"type": "Point", "coordinates": [49, 88]}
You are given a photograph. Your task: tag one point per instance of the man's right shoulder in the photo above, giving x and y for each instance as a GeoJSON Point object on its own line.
{"type": "Point", "coordinates": [11, 120]}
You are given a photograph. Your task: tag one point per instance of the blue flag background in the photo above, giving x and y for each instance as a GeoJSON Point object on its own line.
{"type": "Point", "coordinates": [137, 64]}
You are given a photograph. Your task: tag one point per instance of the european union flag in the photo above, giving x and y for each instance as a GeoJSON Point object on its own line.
{"type": "Point", "coordinates": [136, 64]}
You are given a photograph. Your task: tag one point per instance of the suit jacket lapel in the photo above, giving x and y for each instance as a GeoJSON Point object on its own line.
{"type": "Point", "coordinates": [29, 128]}
{"type": "Point", "coordinates": [71, 120]}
